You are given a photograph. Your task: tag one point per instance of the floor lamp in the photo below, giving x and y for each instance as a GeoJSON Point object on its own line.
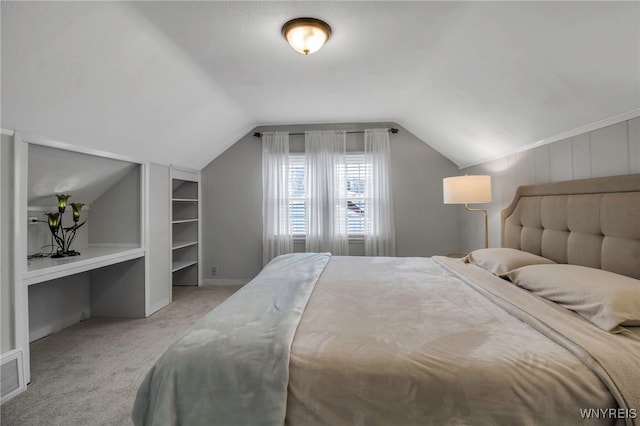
{"type": "Point", "coordinates": [469, 190]}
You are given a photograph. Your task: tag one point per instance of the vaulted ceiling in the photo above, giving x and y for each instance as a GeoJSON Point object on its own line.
{"type": "Point", "coordinates": [179, 82]}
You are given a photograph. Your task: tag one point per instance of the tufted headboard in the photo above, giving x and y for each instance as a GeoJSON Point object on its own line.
{"type": "Point", "coordinates": [589, 222]}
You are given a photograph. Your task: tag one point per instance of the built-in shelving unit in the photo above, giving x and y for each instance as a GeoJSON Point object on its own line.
{"type": "Point", "coordinates": [108, 278]}
{"type": "Point", "coordinates": [185, 228]}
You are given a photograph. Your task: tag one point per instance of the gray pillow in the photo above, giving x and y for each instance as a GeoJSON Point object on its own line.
{"type": "Point", "coordinates": [503, 260]}
{"type": "Point", "coordinates": [604, 298]}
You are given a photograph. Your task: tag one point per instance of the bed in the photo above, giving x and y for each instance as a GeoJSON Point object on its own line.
{"type": "Point", "coordinates": [545, 330]}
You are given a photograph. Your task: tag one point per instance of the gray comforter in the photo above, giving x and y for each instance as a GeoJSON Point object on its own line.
{"type": "Point", "coordinates": [231, 368]}
{"type": "Point", "coordinates": [389, 341]}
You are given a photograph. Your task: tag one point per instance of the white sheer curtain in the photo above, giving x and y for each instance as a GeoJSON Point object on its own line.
{"type": "Point", "coordinates": [326, 191]}
{"type": "Point", "coordinates": [277, 238]}
{"type": "Point", "coordinates": [379, 230]}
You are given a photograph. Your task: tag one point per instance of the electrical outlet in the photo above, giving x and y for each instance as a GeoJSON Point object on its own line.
{"type": "Point", "coordinates": [214, 270]}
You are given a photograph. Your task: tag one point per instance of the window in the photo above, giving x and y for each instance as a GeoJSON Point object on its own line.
{"type": "Point", "coordinates": [355, 202]}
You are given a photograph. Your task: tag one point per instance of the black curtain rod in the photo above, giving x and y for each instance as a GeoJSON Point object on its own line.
{"type": "Point", "coordinates": [392, 130]}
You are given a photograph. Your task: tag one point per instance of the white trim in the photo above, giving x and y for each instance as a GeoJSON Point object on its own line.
{"type": "Point", "coordinates": [575, 132]}
{"type": "Point", "coordinates": [170, 259]}
{"type": "Point", "coordinates": [7, 132]}
{"type": "Point", "coordinates": [144, 195]}
{"type": "Point", "coordinates": [183, 174]}
{"type": "Point", "coordinates": [200, 268]}
{"type": "Point", "coordinates": [186, 170]}
{"type": "Point", "coordinates": [52, 143]}
{"type": "Point", "coordinates": [22, 384]}
{"type": "Point", "coordinates": [2, 247]}
{"type": "Point", "coordinates": [145, 181]}
{"type": "Point", "coordinates": [20, 290]}
{"type": "Point", "coordinates": [145, 238]}
{"type": "Point", "coordinates": [148, 284]}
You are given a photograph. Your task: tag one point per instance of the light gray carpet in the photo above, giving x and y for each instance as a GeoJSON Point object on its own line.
{"type": "Point", "coordinates": [88, 374]}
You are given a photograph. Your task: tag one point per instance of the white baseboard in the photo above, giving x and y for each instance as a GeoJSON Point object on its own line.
{"type": "Point", "coordinates": [225, 281]}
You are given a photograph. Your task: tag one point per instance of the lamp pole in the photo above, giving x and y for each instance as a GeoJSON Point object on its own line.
{"type": "Point", "coordinates": [486, 224]}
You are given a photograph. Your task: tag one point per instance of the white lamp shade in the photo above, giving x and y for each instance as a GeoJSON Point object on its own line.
{"type": "Point", "coordinates": [466, 189]}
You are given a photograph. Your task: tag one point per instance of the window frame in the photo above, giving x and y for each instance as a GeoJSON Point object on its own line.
{"type": "Point", "coordinates": [298, 158]}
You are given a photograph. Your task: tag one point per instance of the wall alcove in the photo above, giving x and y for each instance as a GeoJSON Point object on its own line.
{"type": "Point", "coordinates": [111, 191]}
{"type": "Point", "coordinates": [123, 270]}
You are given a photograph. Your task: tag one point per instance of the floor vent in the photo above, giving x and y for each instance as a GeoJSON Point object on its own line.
{"type": "Point", "coordinates": [11, 375]}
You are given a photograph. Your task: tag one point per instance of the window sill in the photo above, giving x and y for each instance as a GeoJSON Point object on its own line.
{"type": "Point", "coordinates": [302, 238]}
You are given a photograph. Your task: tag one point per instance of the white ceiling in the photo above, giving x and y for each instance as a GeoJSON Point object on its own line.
{"type": "Point", "coordinates": [179, 82]}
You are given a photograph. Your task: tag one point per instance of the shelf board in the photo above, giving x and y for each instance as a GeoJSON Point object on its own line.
{"type": "Point", "coordinates": [181, 244]}
{"type": "Point", "coordinates": [176, 266]}
{"type": "Point", "coordinates": [91, 257]}
{"type": "Point", "coordinates": [184, 220]}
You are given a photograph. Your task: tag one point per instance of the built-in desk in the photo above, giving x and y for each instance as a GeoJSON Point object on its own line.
{"type": "Point", "coordinates": [90, 258]}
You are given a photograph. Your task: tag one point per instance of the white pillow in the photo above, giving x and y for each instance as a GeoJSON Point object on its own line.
{"type": "Point", "coordinates": [604, 298]}
{"type": "Point", "coordinates": [503, 260]}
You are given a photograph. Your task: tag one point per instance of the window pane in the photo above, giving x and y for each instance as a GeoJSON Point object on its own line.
{"type": "Point", "coordinates": [355, 216]}
{"type": "Point", "coordinates": [356, 178]}
{"type": "Point", "coordinates": [297, 214]}
{"type": "Point", "coordinates": [296, 176]}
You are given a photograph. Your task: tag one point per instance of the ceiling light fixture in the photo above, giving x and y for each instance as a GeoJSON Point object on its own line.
{"type": "Point", "coordinates": [306, 35]}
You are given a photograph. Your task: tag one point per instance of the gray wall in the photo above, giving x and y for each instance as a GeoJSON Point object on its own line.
{"type": "Point", "coordinates": [57, 304]}
{"type": "Point", "coordinates": [115, 215]}
{"type": "Point", "coordinates": [6, 244]}
{"type": "Point", "coordinates": [609, 151]}
{"type": "Point", "coordinates": [232, 200]}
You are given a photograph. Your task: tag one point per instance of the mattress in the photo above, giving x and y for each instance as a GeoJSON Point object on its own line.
{"type": "Point", "coordinates": [322, 340]}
